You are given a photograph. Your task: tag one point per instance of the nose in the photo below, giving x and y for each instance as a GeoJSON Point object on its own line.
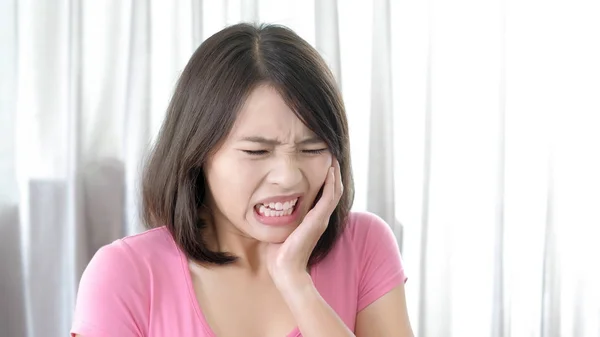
{"type": "Point", "coordinates": [286, 173]}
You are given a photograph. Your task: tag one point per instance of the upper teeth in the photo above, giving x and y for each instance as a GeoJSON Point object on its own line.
{"type": "Point", "coordinates": [281, 205]}
{"type": "Point", "coordinates": [277, 208]}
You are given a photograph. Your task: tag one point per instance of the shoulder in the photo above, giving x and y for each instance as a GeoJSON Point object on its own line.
{"type": "Point", "coordinates": [363, 220]}
{"type": "Point", "coordinates": [131, 258]}
{"type": "Point", "coordinates": [128, 258]}
{"type": "Point", "coordinates": [378, 260]}
{"type": "Point", "coordinates": [364, 264]}
{"type": "Point", "coordinates": [365, 233]}
{"type": "Point", "coordinates": [365, 228]}
{"type": "Point", "coordinates": [150, 244]}
{"type": "Point", "coordinates": [122, 254]}
{"type": "Point", "coordinates": [372, 246]}
{"type": "Point", "coordinates": [115, 288]}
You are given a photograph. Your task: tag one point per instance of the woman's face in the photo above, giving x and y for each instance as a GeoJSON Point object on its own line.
{"type": "Point", "coordinates": [265, 177]}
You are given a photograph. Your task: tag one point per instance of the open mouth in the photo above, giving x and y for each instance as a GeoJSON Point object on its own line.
{"type": "Point", "coordinates": [277, 209]}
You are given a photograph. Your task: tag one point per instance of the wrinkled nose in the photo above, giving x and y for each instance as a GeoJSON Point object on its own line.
{"type": "Point", "coordinates": [286, 173]}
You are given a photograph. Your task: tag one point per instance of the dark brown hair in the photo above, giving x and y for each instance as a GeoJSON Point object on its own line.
{"type": "Point", "coordinates": [218, 78]}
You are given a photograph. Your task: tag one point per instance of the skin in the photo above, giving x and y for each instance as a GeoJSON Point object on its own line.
{"type": "Point", "coordinates": [268, 291]}
{"type": "Point", "coordinates": [269, 152]}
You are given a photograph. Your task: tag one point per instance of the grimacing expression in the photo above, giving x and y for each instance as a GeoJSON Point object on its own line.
{"type": "Point", "coordinates": [268, 153]}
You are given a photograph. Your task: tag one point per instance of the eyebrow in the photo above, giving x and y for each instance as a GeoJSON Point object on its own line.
{"type": "Point", "coordinates": [267, 141]}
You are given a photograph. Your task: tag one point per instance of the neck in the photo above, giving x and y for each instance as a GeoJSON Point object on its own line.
{"type": "Point", "coordinates": [223, 236]}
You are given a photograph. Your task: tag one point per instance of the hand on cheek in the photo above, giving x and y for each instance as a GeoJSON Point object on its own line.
{"type": "Point", "coordinates": [288, 261]}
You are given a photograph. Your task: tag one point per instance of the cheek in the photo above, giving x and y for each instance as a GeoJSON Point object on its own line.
{"type": "Point", "coordinates": [318, 172]}
{"type": "Point", "coordinates": [232, 184]}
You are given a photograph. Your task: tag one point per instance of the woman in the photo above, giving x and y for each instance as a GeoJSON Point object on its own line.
{"type": "Point", "coordinates": [248, 192]}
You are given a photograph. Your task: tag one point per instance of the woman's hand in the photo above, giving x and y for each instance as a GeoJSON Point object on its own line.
{"type": "Point", "coordinates": [287, 261]}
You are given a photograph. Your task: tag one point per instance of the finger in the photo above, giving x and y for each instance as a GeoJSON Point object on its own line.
{"type": "Point", "coordinates": [321, 209]}
{"type": "Point", "coordinates": [339, 186]}
{"type": "Point", "coordinates": [317, 219]}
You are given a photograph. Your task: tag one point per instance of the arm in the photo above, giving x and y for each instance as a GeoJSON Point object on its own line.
{"type": "Point", "coordinates": [287, 263]}
{"type": "Point", "coordinates": [379, 273]}
{"type": "Point", "coordinates": [387, 316]}
{"type": "Point", "coordinates": [315, 318]}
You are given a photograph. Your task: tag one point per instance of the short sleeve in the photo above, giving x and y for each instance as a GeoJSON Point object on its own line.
{"type": "Point", "coordinates": [110, 299]}
{"type": "Point", "coordinates": [380, 263]}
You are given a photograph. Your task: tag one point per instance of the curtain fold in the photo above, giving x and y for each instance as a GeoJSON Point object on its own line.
{"type": "Point", "coordinates": [13, 319]}
{"type": "Point", "coordinates": [381, 193]}
{"type": "Point", "coordinates": [474, 134]}
{"type": "Point", "coordinates": [327, 35]}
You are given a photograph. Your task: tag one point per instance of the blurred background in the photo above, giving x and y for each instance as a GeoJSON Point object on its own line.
{"type": "Point", "coordinates": [475, 133]}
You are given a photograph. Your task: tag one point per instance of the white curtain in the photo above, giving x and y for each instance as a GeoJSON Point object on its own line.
{"type": "Point", "coordinates": [474, 127]}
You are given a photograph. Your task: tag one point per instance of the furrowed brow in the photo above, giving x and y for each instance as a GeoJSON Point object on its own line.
{"type": "Point", "coordinates": [310, 140]}
{"type": "Point", "coordinates": [261, 140]}
{"type": "Point", "coordinates": [266, 141]}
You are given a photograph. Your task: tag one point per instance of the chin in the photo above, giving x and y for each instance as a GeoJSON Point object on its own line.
{"type": "Point", "coordinates": [272, 235]}
{"type": "Point", "coordinates": [275, 241]}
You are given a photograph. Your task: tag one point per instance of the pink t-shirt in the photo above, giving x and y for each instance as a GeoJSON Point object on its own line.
{"type": "Point", "coordinates": [141, 285]}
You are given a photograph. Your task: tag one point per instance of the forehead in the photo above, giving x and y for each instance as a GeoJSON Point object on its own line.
{"type": "Point", "coordinates": [266, 113]}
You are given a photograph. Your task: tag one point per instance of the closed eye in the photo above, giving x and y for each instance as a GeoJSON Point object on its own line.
{"type": "Point", "coordinates": [317, 151]}
{"type": "Point", "coordinates": [256, 152]}
{"type": "Point", "coordinates": [264, 152]}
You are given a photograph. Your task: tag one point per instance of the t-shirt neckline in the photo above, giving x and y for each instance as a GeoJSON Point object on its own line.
{"type": "Point", "coordinates": [196, 305]}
